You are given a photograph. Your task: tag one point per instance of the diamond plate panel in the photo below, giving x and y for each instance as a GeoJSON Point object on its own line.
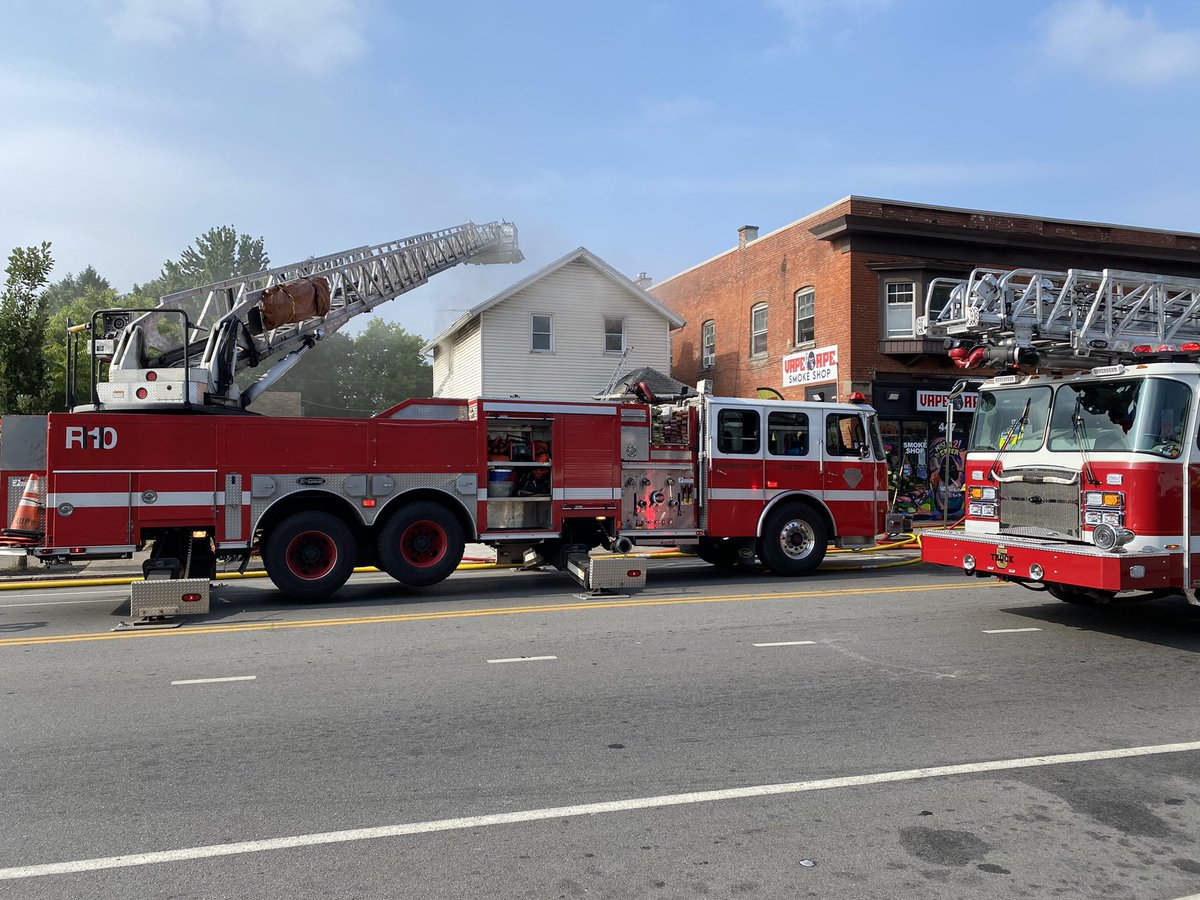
{"type": "Point", "coordinates": [233, 507]}
{"type": "Point", "coordinates": [164, 597]}
{"type": "Point", "coordinates": [285, 485]}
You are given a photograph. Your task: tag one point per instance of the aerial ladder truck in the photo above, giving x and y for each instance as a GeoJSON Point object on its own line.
{"type": "Point", "coordinates": [1082, 473]}
{"type": "Point", "coordinates": [168, 455]}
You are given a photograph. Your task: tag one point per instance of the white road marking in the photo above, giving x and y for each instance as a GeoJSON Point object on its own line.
{"type": "Point", "coordinates": [215, 680]}
{"type": "Point", "coordinates": [522, 659]}
{"type": "Point", "coordinates": [584, 809]}
{"type": "Point", "coordinates": [1008, 630]}
{"type": "Point", "coordinates": [784, 644]}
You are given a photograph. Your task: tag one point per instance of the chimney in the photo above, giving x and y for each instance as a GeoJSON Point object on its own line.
{"type": "Point", "coordinates": [746, 234]}
{"type": "Point", "coordinates": [643, 281]}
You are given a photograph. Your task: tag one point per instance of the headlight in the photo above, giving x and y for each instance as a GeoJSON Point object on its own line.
{"type": "Point", "coordinates": [1104, 499]}
{"type": "Point", "coordinates": [968, 563]}
{"type": "Point", "coordinates": [1098, 517]}
{"type": "Point", "coordinates": [982, 510]}
{"type": "Point", "coordinates": [1036, 572]}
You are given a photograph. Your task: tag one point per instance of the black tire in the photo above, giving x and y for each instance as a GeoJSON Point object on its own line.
{"type": "Point", "coordinates": [309, 555]}
{"type": "Point", "coordinates": [718, 553]}
{"type": "Point", "coordinates": [421, 544]}
{"type": "Point", "coordinates": [793, 540]}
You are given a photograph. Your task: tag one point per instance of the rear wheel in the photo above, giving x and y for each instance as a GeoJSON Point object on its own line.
{"type": "Point", "coordinates": [309, 555]}
{"type": "Point", "coordinates": [421, 544]}
{"type": "Point", "coordinates": [793, 541]}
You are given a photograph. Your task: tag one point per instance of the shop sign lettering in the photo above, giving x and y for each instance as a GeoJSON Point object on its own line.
{"type": "Point", "coordinates": [811, 366]}
{"type": "Point", "coordinates": [935, 401]}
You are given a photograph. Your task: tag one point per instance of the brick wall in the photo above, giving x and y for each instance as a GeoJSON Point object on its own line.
{"type": "Point", "coordinates": [844, 269]}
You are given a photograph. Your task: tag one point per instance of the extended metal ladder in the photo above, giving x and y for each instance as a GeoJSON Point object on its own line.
{"type": "Point", "coordinates": [224, 333]}
{"type": "Point", "coordinates": [1062, 318]}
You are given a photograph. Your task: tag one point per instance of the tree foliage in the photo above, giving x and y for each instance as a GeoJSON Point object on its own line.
{"type": "Point", "coordinates": [354, 377]}
{"type": "Point", "coordinates": [342, 376]}
{"type": "Point", "coordinates": [23, 387]}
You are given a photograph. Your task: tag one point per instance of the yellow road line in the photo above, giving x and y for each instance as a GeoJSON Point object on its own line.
{"type": "Point", "coordinates": [465, 614]}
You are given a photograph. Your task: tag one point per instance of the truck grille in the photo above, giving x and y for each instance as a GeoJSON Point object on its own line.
{"type": "Point", "coordinates": [1037, 502]}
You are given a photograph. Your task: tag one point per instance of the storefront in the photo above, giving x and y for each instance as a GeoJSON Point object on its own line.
{"type": "Point", "coordinates": [925, 465]}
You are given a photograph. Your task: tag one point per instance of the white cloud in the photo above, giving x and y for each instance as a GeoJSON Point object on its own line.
{"type": "Point", "coordinates": [159, 21]}
{"type": "Point", "coordinates": [315, 36]}
{"type": "Point", "coordinates": [803, 16]}
{"type": "Point", "coordinates": [1107, 41]}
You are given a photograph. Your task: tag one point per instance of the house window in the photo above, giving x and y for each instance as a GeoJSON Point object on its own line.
{"type": "Point", "coordinates": [614, 335]}
{"type": "Point", "coordinates": [541, 333]}
{"type": "Point", "coordinates": [758, 330]}
{"type": "Point", "coordinates": [708, 341]}
{"type": "Point", "coordinates": [900, 297]}
{"type": "Point", "coordinates": [806, 314]}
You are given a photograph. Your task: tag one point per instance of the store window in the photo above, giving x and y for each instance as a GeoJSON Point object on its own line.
{"type": "Point", "coordinates": [805, 316]}
{"type": "Point", "coordinates": [758, 330]}
{"type": "Point", "coordinates": [708, 341]}
{"type": "Point", "coordinates": [901, 303]}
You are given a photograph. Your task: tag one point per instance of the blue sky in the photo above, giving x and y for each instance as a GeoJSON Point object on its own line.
{"type": "Point", "coordinates": [645, 131]}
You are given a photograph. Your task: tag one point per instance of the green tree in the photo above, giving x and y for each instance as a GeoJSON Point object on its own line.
{"type": "Point", "coordinates": [216, 255]}
{"type": "Point", "coordinates": [23, 387]}
{"type": "Point", "coordinates": [68, 290]}
{"type": "Point", "coordinates": [78, 311]}
{"type": "Point", "coordinates": [356, 377]}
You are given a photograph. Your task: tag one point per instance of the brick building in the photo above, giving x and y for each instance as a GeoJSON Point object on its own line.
{"type": "Point", "coordinates": [826, 306]}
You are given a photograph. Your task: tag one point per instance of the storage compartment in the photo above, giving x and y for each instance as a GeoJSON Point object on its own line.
{"type": "Point", "coordinates": [519, 482]}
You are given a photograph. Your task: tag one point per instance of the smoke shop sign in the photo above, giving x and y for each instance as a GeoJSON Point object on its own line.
{"type": "Point", "coordinates": [810, 366]}
{"type": "Point", "coordinates": [935, 401]}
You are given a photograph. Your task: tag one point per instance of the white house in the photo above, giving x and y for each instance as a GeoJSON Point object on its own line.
{"type": "Point", "coordinates": [564, 332]}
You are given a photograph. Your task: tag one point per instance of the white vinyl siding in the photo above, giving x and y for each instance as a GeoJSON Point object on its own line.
{"type": "Point", "coordinates": [581, 298]}
{"type": "Point", "coordinates": [456, 369]}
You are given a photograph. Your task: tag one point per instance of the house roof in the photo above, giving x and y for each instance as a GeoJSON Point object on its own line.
{"type": "Point", "coordinates": [661, 384]}
{"type": "Point", "coordinates": [582, 254]}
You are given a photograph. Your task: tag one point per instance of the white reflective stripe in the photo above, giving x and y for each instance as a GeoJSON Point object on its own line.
{"type": "Point", "coordinates": [178, 498]}
{"type": "Point", "coordinates": [506, 535]}
{"type": "Point", "coordinates": [139, 471]}
{"type": "Point", "coordinates": [863, 496]}
{"type": "Point", "coordinates": [118, 499]}
{"type": "Point", "coordinates": [481, 494]}
{"type": "Point", "coordinates": [90, 501]}
{"type": "Point", "coordinates": [221, 500]}
{"type": "Point", "coordinates": [589, 493]}
{"type": "Point", "coordinates": [490, 406]}
{"type": "Point", "coordinates": [735, 494]}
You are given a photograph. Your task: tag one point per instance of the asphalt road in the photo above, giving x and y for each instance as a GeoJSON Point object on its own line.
{"type": "Point", "coordinates": [376, 747]}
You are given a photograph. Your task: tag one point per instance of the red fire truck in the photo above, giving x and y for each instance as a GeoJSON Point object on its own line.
{"type": "Point", "coordinates": [165, 456]}
{"type": "Point", "coordinates": [1086, 485]}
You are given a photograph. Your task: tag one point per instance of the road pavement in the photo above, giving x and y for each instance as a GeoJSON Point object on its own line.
{"type": "Point", "coordinates": [907, 732]}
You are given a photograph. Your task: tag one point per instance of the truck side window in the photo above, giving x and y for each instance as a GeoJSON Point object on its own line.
{"type": "Point", "coordinates": [737, 431]}
{"type": "Point", "coordinates": [787, 434]}
{"type": "Point", "coordinates": [844, 435]}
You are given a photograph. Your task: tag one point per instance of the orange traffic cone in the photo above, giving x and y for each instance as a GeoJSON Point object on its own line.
{"type": "Point", "coordinates": [27, 520]}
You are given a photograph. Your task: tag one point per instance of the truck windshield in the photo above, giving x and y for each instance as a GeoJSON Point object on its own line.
{"type": "Point", "coordinates": [1143, 415]}
{"type": "Point", "coordinates": [1012, 420]}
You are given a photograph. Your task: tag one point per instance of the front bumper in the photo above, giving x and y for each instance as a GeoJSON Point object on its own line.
{"type": "Point", "coordinates": [1079, 565]}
